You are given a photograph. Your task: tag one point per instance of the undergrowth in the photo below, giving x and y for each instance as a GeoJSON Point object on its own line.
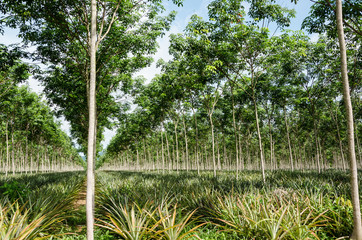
{"type": "Point", "coordinates": [289, 205]}
{"type": "Point", "coordinates": [151, 205]}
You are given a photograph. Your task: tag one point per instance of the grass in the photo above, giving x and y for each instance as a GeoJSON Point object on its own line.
{"type": "Point", "coordinates": [150, 205]}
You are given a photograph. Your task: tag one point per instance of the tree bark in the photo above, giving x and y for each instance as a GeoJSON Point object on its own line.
{"type": "Point", "coordinates": [357, 225]}
{"type": "Point", "coordinates": [270, 140]}
{"type": "Point", "coordinates": [168, 152]}
{"type": "Point", "coordinates": [12, 153]}
{"type": "Point", "coordinates": [289, 145]}
{"type": "Point", "coordinates": [186, 144]}
{"type": "Point", "coordinates": [235, 135]}
{"type": "Point", "coordinates": [358, 148]}
{"type": "Point", "coordinates": [213, 144]}
{"type": "Point", "coordinates": [177, 153]}
{"type": "Point", "coordinates": [7, 150]}
{"type": "Point", "coordinates": [259, 138]}
{"type": "Point", "coordinates": [92, 125]}
{"type": "Point", "coordinates": [335, 120]}
{"type": "Point", "coordinates": [163, 155]}
{"type": "Point", "coordinates": [316, 144]}
{"type": "Point", "coordinates": [196, 143]}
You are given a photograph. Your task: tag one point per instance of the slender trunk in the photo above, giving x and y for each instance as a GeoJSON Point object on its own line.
{"type": "Point", "coordinates": [213, 144]}
{"type": "Point", "coordinates": [177, 154]}
{"type": "Point", "coordinates": [357, 225]}
{"type": "Point", "coordinates": [37, 160]}
{"type": "Point", "coordinates": [162, 152]}
{"type": "Point", "coordinates": [289, 145]}
{"type": "Point", "coordinates": [236, 136]}
{"type": "Point", "coordinates": [92, 125]}
{"type": "Point", "coordinates": [138, 160]}
{"type": "Point", "coordinates": [197, 144]}
{"type": "Point", "coordinates": [316, 144]}
{"type": "Point", "coordinates": [218, 154]}
{"type": "Point", "coordinates": [31, 159]}
{"type": "Point", "coordinates": [335, 120]}
{"type": "Point", "coordinates": [241, 157]}
{"type": "Point", "coordinates": [12, 153]}
{"type": "Point", "coordinates": [205, 160]}
{"type": "Point", "coordinates": [358, 148]}
{"type": "Point", "coordinates": [259, 138]}
{"type": "Point", "coordinates": [321, 155]}
{"type": "Point", "coordinates": [271, 143]}
{"type": "Point", "coordinates": [168, 152]}
{"type": "Point", "coordinates": [127, 162]}
{"type": "Point", "coordinates": [155, 157]}
{"type": "Point", "coordinates": [7, 150]}
{"type": "Point", "coordinates": [186, 145]}
{"type": "Point", "coordinates": [26, 165]}
{"type": "Point", "coordinates": [225, 158]}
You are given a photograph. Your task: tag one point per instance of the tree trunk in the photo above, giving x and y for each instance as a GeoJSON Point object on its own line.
{"type": "Point", "coordinates": [218, 154]}
{"type": "Point", "coordinates": [236, 136]}
{"type": "Point", "coordinates": [168, 152]}
{"type": "Point", "coordinates": [225, 157]}
{"type": "Point", "coordinates": [186, 145]}
{"type": "Point", "coordinates": [335, 120]}
{"type": "Point", "coordinates": [162, 152]}
{"type": "Point", "coordinates": [7, 150]}
{"type": "Point", "coordinates": [92, 125]}
{"type": "Point", "coordinates": [177, 154]}
{"type": "Point", "coordinates": [241, 157]}
{"type": "Point", "coordinates": [31, 159]}
{"type": "Point", "coordinates": [358, 148]}
{"type": "Point", "coordinates": [138, 160]}
{"type": "Point", "coordinates": [259, 138]}
{"type": "Point", "coordinates": [12, 153]}
{"type": "Point", "coordinates": [316, 144]}
{"type": "Point", "coordinates": [271, 143]}
{"type": "Point", "coordinates": [213, 145]}
{"type": "Point", "coordinates": [357, 225]}
{"type": "Point", "coordinates": [196, 144]}
{"type": "Point", "coordinates": [289, 145]}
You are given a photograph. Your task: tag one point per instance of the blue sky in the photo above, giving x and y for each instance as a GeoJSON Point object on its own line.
{"type": "Point", "coordinates": [184, 13]}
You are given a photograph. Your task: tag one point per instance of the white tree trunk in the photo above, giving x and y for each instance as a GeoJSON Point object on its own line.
{"type": "Point", "coordinates": [357, 226]}
{"type": "Point", "coordinates": [289, 145]}
{"type": "Point", "coordinates": [259, 139]}
{"type": "Point", "coordinates": [7, 150]}
{"type": "Point", "coordinates": [92, 125]}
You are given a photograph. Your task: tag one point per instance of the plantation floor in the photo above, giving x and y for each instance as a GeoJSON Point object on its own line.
{"type": "Point", "coordinates": [289, 205]}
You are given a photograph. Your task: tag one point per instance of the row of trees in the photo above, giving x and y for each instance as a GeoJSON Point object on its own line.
{"type": "Point", "coordinates": [31, 140]}
{"type": "Point", "coordinates": [92, 48]}
{"type": "Point", "coordinates": [301, 79]}
{"type": "Point", "coordinates": [235, 96]}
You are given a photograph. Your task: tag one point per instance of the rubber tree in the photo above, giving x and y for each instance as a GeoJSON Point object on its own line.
{"type": "Point", "coordinates": [287, 66]}
{"type": "Point", "coordinates": [66, 33]}
{"type": "Point", "coordinates": [231, 47]}
{"type": "Point", "coordinates": [331, 21]}
{"type": "Point", "coordinates": [357, 224]}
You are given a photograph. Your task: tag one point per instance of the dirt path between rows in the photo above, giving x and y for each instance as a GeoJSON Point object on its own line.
{"type": "Point", "coordinates": [79, 206]}
{"type": "Point", "coordinates": [81, 199]}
